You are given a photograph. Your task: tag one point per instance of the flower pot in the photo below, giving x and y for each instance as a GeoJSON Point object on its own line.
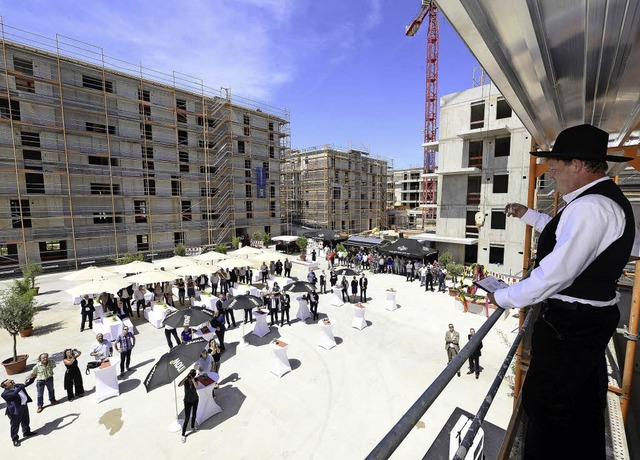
{"type": "Point", "coordinates": [15, 367]}
{"type": "Point", "coordinates": [303, 256]}
{"type": "Point", "coordinates": [36, 290]}
{"type": "Point", "coordinates": [26, 332]}
{"type": "Point", "coordinates": [453, 292]}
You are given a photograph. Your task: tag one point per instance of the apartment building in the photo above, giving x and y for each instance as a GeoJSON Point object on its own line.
{"type": "Point", "coordinates": [342, 189]}
{"type": "Point", "coordinates": [406, 185]}
{"type": "Point", "coordinates": [99, 157]}
{"type": "Point", "coordinates": [483, 163]}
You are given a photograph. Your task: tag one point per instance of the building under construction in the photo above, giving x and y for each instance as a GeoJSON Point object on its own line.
{"type": "Point", "coordinates": [99, 157]}
{"type": "Point", "coordinates": [341, 189]}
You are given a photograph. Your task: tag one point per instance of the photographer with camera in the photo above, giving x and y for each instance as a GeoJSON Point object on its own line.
{"type": "Point", "coordinates": [190, 402]}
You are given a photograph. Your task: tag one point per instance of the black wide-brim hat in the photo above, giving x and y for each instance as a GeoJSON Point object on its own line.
{"type": "Point", "coordinates": [582, 142]}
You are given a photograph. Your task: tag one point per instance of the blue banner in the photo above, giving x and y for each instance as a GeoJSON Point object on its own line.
{"type": "Point", "coordinates": [261, 183]}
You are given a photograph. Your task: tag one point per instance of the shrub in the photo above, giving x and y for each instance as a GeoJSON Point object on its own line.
{"type": "Point", "coordinates": [221, 248]}
{"type": "Point", "coordinates": [235, 242]}
{"type": "Point", "coordinates": [30, 271]}
{"type": "Point", "coordinates": [179, 250]}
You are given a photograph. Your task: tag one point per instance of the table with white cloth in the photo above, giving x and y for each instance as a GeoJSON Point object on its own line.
{"type": "Point", "coordinates": [207, 301]}
{"type": "Point", "coordinates": [111, 326]}
{"type": "Point", "coordinates": [358, 317]}
{"type": "Point", "coordinates": [148, 297]}
{"type": "Point", "coordinates": [256, 276]}
{"type": "Point", "coordinates": [327, 340]}
{"type": "Point", "coordinates": [261, 328]}
{"type": "Point", "coordinates": [99, 313]}
{"type": "Point", "coordinates": [280, 364]}
{"type": "Point", "coordinates": [243, 288]}
{"type": "Point", "coordinates": [207, 405]}
{"type": "Point", "coordinates": [206, 332]}
{"type": "Point", "coordinates": [336, 297]}
{"type": "Point", "coordinates": [107, 380]}
{"type": "Point", "coordinates": [282, 281]}
{"type": "Point", "coordinates": [157, 313]}
{"type": "Point", "coordinates": [390, 302]}
{"type": "Point", "coordinates": [303, 309]}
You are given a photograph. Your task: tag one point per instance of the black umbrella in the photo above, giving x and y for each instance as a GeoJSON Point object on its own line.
{"type": "Point", "coordinates": [172, 364]}
{"type": "Point", "coordinates": [191, 316]}
{"type": "Point", "coordinates": [346, 272]}
{"type": "Point", "coordinates": [299, 286]}
{"type": "Point", "coordinates": [243, 302]}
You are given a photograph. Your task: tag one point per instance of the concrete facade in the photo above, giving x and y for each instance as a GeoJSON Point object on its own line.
{"type": "Point", "coordinates": [406, 199]}
{"type": "Point", "coordinates": [95, 163]}
{"type": "Point", "coordinates": [483, 164]}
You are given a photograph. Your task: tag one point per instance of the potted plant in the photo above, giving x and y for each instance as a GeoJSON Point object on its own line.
{"type": "Point", "coordinates": [455, 270]}
{"type": "Point", "coordinates": [266, 238]}
{"type": "Point", "coordinates": [179, 250]}
{"type": "Point", "coordinates": [235, 242]}
{"type": "Point", "coordinates": [17, 310]}
{"type": "Point", "coordinates": [221, 248]}
{"type": "Point", "coordinates": [256, 239]}
{"type": "Point", "coordinates": [30, 271]}
{"type": "Point", "coordinates": [302, 243]}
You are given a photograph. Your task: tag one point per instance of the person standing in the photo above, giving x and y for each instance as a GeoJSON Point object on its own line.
{"type": "Point", "coordinates": [72, 376]}
{"type": "Point", "coordinates": [264, 271]}
{"type": "Point", "coordinates": [181, 291]}
{"type": "Point", "coordinates": [191, 289]}
{"type": "Point", "coordinates": [190, 402]}
{"type": "Point", "coordinates": [474, 359]}
{"type": "Point", "coordinates": [229, 315]}
{"type": "Point", "coordinates": [43, 373]}
{"type": "Point", "coordinates": [125, 296]}
{"type": "Point", "coordinates": [452, 343]}
{"type": "Point", "coordinates": [354, 288]}
{"type": "Point", "coordinates": [344, 284]}
{"type": "Point", "coordinates": [428, 285]}
{"type": "Point", "coordinates": [167, 290]}
{"type": "Point", "coordinates": [204, 364]}
{"type": "Point", "coordinates": [285, 306]}
{"type": "Point", "coordinates": [409, 271]}
{"type": "Point", "coordinates": [138, 295]}
{"type": "Point", "coordinates": [214, 283]}
{"type": "Point", "coordinates": [333, 278]}
{"type": "Point", "coordinates": [87, 309]}
{"type": "Point", "coordinates": [17, 410]}
{"type": "Point", "coordinates": [323, 282]}
{"type": "Point", "coordinates": [216, 354]}
{"type": "Point", "coordinates": [101, 349]}
{"type": "Point", "coordinates": [364, 283]}
{"type": "Point", "coordinates": [442, 284]}
{"type": "Point", "coordinates": [218, 323]}
{"type": "Point", "coordinates": [124, 344]}
{"type": "Point", "coordinates": [171, 332]}
{"type": "Point", "coordinates": [313, 255]}
{"type": "Point", "coordinates": [313, 304]}
{"type": "Point", "coordinates": [581, 253]}
{"type": "Point", "coordinates": [287, 267]}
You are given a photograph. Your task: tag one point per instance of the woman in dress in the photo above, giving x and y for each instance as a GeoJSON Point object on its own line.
{"type": "Point", "coordinates": [190, 402]}
{"type": "Point", "coordinates": [72, 376]}
{"type": "Point", "coordinates": [191, 289]}
{"type": "Point", "coordinates": [216, 353]}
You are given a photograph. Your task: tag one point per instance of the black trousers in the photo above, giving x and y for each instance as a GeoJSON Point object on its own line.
{"type": "Point", "coordinates": [127, 309]}
{"type": "Point", "coordinates": [323, 288]}
{"type": "Point", "coordinates": [214, 289]}
{"type": "Point", "coordinates": [284, 312]}
{"type": "Point", "coordinates": [428, 286]}
{"type": "Point", "coordinates": [190, 409]}
{"type": "Point", "coordinates": [248, 316]}
{"type": "Point", "coordinates": [474, 364]}
{"type": "Point", "coordinates": [139, 303]}
{"type": "Point", "coordinates": [363, 295]}
{"type": "Point", "coordinates": [86, 315]}
{"type": "Point", "coordinates": [171, 332]}
{"type": "Point", "coordinates": [564, 394]}
{"type": "Point", "coordinates": [273, 314]}
{"type": "Point", "coordinates": [19, 419]}
{"type": "Point", "coordinates": [125, 360]}
{"type": "Point", "coordinates": [220, 335]}
{"type": "Point", "coordinates": [287, 272]}
{"type": "Point", "coordinates": [230, 317]}
{"type": "Point", "coordinates": [314, 309]}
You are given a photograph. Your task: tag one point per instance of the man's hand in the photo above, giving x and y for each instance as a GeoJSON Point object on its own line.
{"type": "Point", "coordinates": [492, 299]}
{"type": "Point", "coordinates": [515, 210]}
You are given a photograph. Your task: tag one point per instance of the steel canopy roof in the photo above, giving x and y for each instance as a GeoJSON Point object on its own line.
{"type": "Point", "coordinates": [559, 63]}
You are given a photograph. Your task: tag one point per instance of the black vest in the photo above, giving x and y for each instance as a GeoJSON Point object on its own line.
{"type": "Point", "coordinates": [598, 280]}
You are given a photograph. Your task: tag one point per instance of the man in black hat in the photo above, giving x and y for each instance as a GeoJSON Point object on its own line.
{"type": "Point", "coordinates": [581, 254]}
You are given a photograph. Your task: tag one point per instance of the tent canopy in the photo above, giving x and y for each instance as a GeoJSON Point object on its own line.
{"type": "Point", "coordinates": [409, 248]}
{"type": "Point", "coordinates": [364, 241]}
{"type": "Point", "coordinates": [325, 234]}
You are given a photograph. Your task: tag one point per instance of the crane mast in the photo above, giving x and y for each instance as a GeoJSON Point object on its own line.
{"type": "Point", "coordinates": [429, 10]}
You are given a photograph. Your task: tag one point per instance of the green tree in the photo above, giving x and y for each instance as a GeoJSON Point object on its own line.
{"type": "Point", "coordinates": [179, 250]}
{"type": "Point", "coordinates": [30, 271]}
{"type": "Point", "coordinates": [235, 242]}
{"type": "Point", "coordinates": [17, 310]}
{"type": "Point", "coordinates": [266, 238]}
{"type": "Point", "coordinates": [221, 248]}
{"type": "Point", "coordinates": [127, 258]}
{"type": "Point", "coordinates": [445, 259]}
{"type": "Point", "coordinates": [256, 236]}
{"type": "Point", "coordinates": [302, 243]}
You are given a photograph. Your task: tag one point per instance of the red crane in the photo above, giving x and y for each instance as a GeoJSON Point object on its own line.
{"type": "Point", "coordinates": [429, 9]}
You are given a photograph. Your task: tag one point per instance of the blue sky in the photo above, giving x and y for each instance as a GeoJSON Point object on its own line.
{"type": "Point", "coordinates": [344, 69]}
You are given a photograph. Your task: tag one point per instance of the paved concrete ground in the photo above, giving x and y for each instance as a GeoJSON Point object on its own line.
{"type": "Point", "coordinates": [335, 404]}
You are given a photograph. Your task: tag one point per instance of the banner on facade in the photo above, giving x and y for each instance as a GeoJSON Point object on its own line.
{"type": "Point", "coordinates": [261, 183]}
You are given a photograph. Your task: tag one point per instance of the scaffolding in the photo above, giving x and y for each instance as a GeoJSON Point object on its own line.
{"type": "Point", "coordinates": [333, 187]}
{"type": "Point", "coordinates": [100, 157]}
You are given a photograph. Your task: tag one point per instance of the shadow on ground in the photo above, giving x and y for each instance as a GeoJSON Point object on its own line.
{"type": "Point", "coordinates": [48, 329]}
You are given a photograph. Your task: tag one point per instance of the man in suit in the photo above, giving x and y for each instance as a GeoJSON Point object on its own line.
{"type": "Point", "coordinates": [364, 282]}
{"type": "Point", "coordinates": [474, 359]}
{"type": "Point", "coordinates": [452, 343]}
{"type": "Point", "coordinates": [17, 398]}
{"type": "Point", "coordinates": [87, 310]}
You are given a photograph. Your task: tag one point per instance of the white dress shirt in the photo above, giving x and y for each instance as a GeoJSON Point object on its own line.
{"type": "Point", "coordinates": [587, 226]}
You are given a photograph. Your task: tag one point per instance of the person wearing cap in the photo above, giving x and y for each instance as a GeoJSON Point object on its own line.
{"type": "Point", "coordinates": [581, 254]}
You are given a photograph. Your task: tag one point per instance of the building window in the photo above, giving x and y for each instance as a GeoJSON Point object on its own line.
{"type": "Point", "coordinates": [30, 139]}
{"type": "Point", "coordinates": [102, 161]}
{"type": "Point", "coordinates": [246, 120]}
{"type": "Point", "coordinates": [183, 159]}
{"type": "Point", "coordinates": [477, 115]}
{"type": "Point", "coordinates": [104, 189]}
{"type": "Point", "coordinates": [471, 229]}
{"type": "Point", "coordinates": [249, 206]}
{"type": "Point", "coordinates": [146, 131]}
{"type": "Point", "coordinates": [20, 212]}
{"type": "Point", "coordinates": [53, 250]}
{"type": "Point", "coordinates": [6, 112]}
{"type": "Point", "coordinates": [271, 125]}
{"type": "Point", "coordinates": [247, 190]}
{"type": "Point", "coordinates": [32, 160]}
{"type": "Point", "coordinates": [272, 152]}
{"type": "Point", "coordinates": [186, 211]}
{"type": "Point", "coordinates": [475, 154]}
{"type": "Point", "coordinates": [503, 146]}
{"type": "Point", "coordinates": [178, 238]}
{"type": "Point", "coordinates": [246, 131]}
{"type": "Point", "coordinates": [96, 83]}
{"type": "Point", "coordinates": [500, 183]}
{"type": "Point", "coordinates": [143, 242]}
{"type": "Point", "coordinates": [140, 211]}
{"type": "Point", "coordinates": [496, 255]}
{"type": "Point", "coordinates": [105, 218]}
{"type": "Point", "coordinates": [498, 220]}
{"type": "Point", "coordinates": [241, 148]}
{"type": "Point", "coordinates": [247, 164]}
{"type": "Point", "coordinates": [23, 66]}
{"type": "Point", "coordinates": [271, 137]}
{"type": "Point", "coordinates": [149, 186]}
{"type": "Point", "coordinates": [8, 254]}
{"type": "Point", "coordinates": [143, 95]}
{"type": "Point", "coordinates": [34, 182]}
{"type": "Point", "coordinates": [99, 128]}
{"type": "Point", "coordinates": [265, 165]}
{"type": "Point", "coordinates": [272, 193]}
{"type": "Point", "coordinates": [336, 193]}
{"type": "Point", "coordinates": [503, 109]}
{"type": "Point", "coordinates": [473, 190]}
{"type": "Point", "coordinates": [181, 107]}
{"type": "Point", "coordinates": [176, 186]}
{"type": "Point", "coordinates": [25, 84]}
{"type": "Point", "coordinates": [183, 137]}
